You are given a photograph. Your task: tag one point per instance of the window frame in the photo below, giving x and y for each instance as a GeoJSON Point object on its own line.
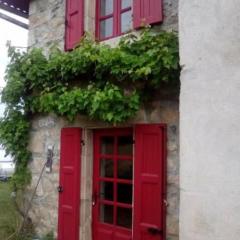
{"type": "Point", "coordinates": [116, 15]}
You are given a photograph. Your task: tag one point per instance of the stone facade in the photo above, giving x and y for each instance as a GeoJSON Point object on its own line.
{"type": "Point", "coordinates": [46, 132]}
{"type": "Point", "coordinates": [46, 21]}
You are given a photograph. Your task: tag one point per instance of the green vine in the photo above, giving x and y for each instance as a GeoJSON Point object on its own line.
{"type": "Point", "coordinates": [102, 82]}
{"type": "Point", "coordinates": [109, 104]}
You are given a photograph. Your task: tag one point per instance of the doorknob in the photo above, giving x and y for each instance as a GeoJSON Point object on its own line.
{"type": "Point", "coordinates": [60, 189]}
{"type": "Point", "coordinates": [155, 231]}
{"type": "Point", "coordinates": [94, 198]}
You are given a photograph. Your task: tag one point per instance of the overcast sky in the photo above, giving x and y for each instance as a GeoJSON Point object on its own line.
{"type": "Point", "coordinates": [13, 33]}
{"type": "Point", "coordinates": [18, 37]}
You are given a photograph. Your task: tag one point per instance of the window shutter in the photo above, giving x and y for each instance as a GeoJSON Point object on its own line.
{"type": "Point", "coordinates": [147, 12]}
{"type": "Point", "coordinates": [149, 182]}
{"type": "Point", "coordinates": [74, 23]}
{"type": "Point", "coordinates": [69, 184]}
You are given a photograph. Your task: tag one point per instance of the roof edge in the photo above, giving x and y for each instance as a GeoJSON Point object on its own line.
{"type": "Point", "coordinates": [20, 8]}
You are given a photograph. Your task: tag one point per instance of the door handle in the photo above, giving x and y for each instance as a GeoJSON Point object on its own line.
{"type": "Point", "coordinates": [60, 189]}
{"type": "Point", "coordinates": [155, 231]}
{"type": "Point", "coordinates": [94, 198]}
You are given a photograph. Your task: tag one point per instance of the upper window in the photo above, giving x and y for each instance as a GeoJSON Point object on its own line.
{"type": "Point", "coordinates": [114, 17]}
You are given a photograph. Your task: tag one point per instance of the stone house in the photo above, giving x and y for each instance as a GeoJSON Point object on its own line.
{"type": "Point", "coordinates": [209, 208]}
{"type": "Point", "coordinates": [106, 182]}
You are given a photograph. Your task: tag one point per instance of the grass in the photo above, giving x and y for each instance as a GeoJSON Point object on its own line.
{"type": "Point", "coordinates": [9, 218]}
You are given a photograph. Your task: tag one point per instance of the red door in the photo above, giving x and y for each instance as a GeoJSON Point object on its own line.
{"type": "Point", "coordinates": [69, 186]}
{"type": "Point", "coordinates": [149, 182]}
{"type": "Point", "coordinates": [113, 184]}
{"type": "Point", "coordinates": [119, 213]}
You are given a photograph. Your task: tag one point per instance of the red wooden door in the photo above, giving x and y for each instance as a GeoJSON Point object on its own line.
{"type": "Point", "coordinates": [149, 182]}
{"type": "Point", "coordinates": [69, 186]}
{"type": "Point", "coordinates": [112, 184]}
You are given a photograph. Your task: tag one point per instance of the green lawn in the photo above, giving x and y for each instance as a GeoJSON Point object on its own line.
{"type": "Point", "coordinates": [9, 218]}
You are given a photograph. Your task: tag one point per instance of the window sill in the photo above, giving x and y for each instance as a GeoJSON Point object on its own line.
{"type": "Point", "coordinates": [113, 42]}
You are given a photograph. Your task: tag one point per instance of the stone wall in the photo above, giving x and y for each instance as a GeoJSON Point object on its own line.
{"type": "Point", "coordinates": [209, 120]}
{"type": "Point", "coordinates": [46, 132]}
{"type": "Point", "coordinates": [46, 29]}
{"type": "Point", "coordinates": [47, 21]}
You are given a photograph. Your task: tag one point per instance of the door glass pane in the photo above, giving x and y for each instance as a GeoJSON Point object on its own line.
{"type": "Point", "coordinates": [106, 169]}
{"type": "Point", "coordinates": [106, 213]}
{"type": "Point", "coordinates": [106, 7]}
{"type": "Point", "coordinates": [106, 191]}
{"type": "Point", "coordinates": [124, 193]}
{"type": "Point", "coordinates": [126, 21]}
{"type": "Point", "coordinates": [125, 145]}
{"type": "Point", "coordinates": [106, 28]}
{"type": "Point", "coordinates": [124, 217]}
{"type": "Point", "coordinates": [107, 145]}
{"type": "Point", "coordinates": [126, 3]}
{"type": "Point", "coordinates": [125, 169]}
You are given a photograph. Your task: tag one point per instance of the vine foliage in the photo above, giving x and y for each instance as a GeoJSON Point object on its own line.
{"type": "Point", "coordinates": [102, 82]}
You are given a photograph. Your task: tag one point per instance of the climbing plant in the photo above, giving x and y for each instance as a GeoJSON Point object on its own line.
{"type": "Point", "coordinates": [102, 82]}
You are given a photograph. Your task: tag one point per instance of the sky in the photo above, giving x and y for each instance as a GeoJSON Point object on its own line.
{"type": "Point", "coordinates": [13, 33]}
{"type": "Point", "coordinates": [18, 37]}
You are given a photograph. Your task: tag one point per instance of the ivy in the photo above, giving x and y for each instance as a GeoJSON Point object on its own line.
{"type": "Point", "coordinates": [14, 137]}
{"type": "Point", "coordinates": [109, 104]}
{"type": "Point", "coordinates": [105, 83]}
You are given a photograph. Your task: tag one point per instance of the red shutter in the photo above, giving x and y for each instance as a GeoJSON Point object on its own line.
{"type": "Point", "coordinates": [74, 23]}
{"type": "Point", "coordinates": [147, 12]}
{"type": "Point", "coordinates": [69, 186]}
{"type": "Point", "coordinates": [149, 182]}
